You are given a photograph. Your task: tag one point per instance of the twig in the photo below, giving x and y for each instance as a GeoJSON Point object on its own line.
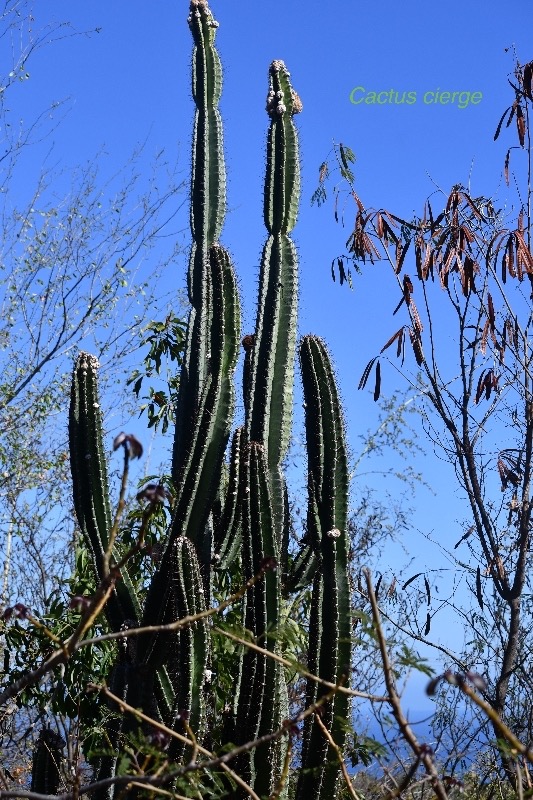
{"type": "Point", "coordinates": [75, 642]}
{"type": "Point", "coordinates": [421, 752]}
{"type": "Point", "coordinates": [497, 721]}
{"type": "Point", "coordinates": [162, 727]}
{"type": "Point", "coordinates": [338, 752]}
{"type": "Point", "coordinates": [301, 669]}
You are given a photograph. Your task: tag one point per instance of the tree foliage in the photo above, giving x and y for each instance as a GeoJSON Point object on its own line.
{"type": "Point", "coordinates": [74, 256]}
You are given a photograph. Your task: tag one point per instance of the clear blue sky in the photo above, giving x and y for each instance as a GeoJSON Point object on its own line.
{"type": "Point", "coordinates": [131, 81]}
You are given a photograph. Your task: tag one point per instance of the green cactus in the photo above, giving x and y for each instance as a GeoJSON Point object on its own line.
{"type": "Point", "coordinates": [329, 637]}
{"type": "Point", "coordinates": [198, 478]}
{"type": "Point", "coordinates": [206, 396]}
{"type": "Point", "coordinates": [269, 395]}
{"type": "Point", "coordinates": [269, 376]}
{"type": "Point", "coordinates": [90, 485]}
{"type": "Point", "coordinates": [47, 760]}
{"type": "Point", "coordinates": [233, 521]}
{"type": "Point", "coordinates": [257, 711]}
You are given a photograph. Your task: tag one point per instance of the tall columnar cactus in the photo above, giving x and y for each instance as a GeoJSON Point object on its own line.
{"type": "Point", "coordinates": [329, 637]}
{"type": "Point", "coordinates": [167, 669]}
{"type": "Point", "coordinates": [269, 395]}
{"type": "Point", "coordinates": [90, 485]}
{"type": "Point", "coordinates": [206, 396]}
{"type": "Point", "coordinates": [179, 662]}
{"type": "Point", "coordinates": [177, 591]}
{"type": "Point", "coordinates": [261, 701]}
{"type": "Point", "coordinates": [47, 759]}
{"type": "Point", "coordinates": [269, 376]}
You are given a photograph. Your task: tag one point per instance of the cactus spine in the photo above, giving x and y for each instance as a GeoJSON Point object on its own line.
{"type": "Point", "coordinates": [251, 522]}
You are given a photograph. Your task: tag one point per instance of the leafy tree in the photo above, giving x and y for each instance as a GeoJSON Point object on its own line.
{"type": "Point", "coordinates": [72, 265]}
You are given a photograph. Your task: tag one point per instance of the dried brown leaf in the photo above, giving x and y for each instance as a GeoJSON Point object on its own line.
{"type": "Point", "coordinates": [524, 252]}
{"type": "Point", "coordinates": [520, 124]}
{"type": "Point", "coordinates": [465, 536]}
{"type": "Point", "coordinates": [401, 252]}
{"type": "Point", "coordinates": [411, 579]}
{"type": "Point", "coordinates": [392, 339]}
{"type": "Point", "coordinates": [366, 373]}
{"type": "Point", "coordinates": [358, 201]}
{"type": "Point", "coordinates": [481, 385]}
{"type": "Point", "coordinates": [500, 123]}
{"type": "Point", "coordinates": [526, 80]}
{"type": "Point", "coordinates": [427, 265]}
{"type": "Point", "coordinates": [428, 590]}
{"type": "Point", "coordinates": [416, 344]}
{"type": "Point", "coordinates": [479, 593]}
{"type": "Point", "coordinates": [502, 470]}
{"type": "Point", "coordinates": [484, 337]}
{"type": "Point", "coordinates": [415, 316]}
{"type": "Point", "coordinates": [377, 386]}
{"type": "Point", "coordinates": [506, 166]}
{"type": "Point", "coordinates": [399, 349]}
{"type": "Point", "coordinates": [379, 225]}
{"type": "Point", "coordinates": [490, 304]}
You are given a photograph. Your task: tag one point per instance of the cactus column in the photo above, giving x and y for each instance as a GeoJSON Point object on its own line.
{"type": "Point", "coordinates": [270, 385]}
{"type": "Point", "coordinates": [269, 376]}
{"type": "Point", "coordinates": [206, 395]}
{"type": "Point", "coordinates": [329, 634]}
{"type": "Point", "coordinates": [90, 485]}
{"type": "Point", "coordinates": [205, 401]}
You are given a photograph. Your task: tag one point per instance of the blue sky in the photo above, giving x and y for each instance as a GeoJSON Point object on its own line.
{"type": "Point", "coordinates": [130, 82]}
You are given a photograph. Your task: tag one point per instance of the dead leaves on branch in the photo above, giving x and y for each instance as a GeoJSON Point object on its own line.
{"type": "Point", "coordinates": [360, 244]}
{"type": "Point", "coordinates": [509, 468]}
{"type": "Point", "coordinates": [487, 382]}
{"type": "Point", "coordinates": [399, 338]}
{"type": "Point", "coordinates": [517, 111]}
{"type": "Point", "coordinates": [444, 245]}
{"type": "Point", "coordinates": [516, 259]}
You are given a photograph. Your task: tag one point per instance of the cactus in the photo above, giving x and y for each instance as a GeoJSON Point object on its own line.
{"type": "Point", "coordinates": [47, 759]}
{"type": "Point", "coordinates": [258, 704]}
{"type": "Point", "coordinates": [270, 384]}
{"type": "Point", "coordinates": [90, 485]}
{"type": "Point", "coordinates": [233, 521]}
{"type": "Point", "coordinates": [329, 637]}
{"type": "Point", "coordinates": [269, 377]}
{"type": "Point", "coordinates": [206, 396]}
